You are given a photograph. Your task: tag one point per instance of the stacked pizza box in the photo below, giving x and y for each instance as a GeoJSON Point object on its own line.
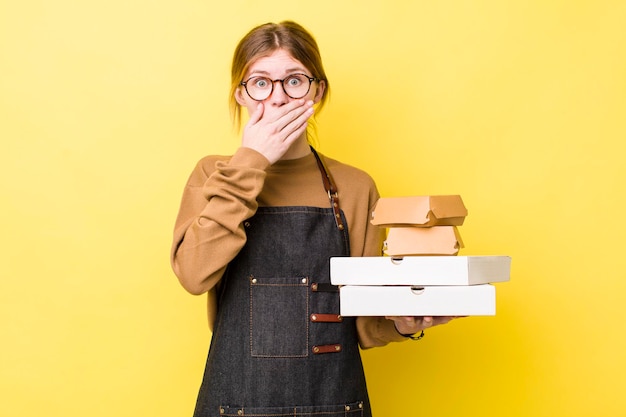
{"type": "Point", "coordinates": [420, 272]}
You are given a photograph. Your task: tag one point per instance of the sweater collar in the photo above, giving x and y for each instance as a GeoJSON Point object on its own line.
{"type": "Point", "coordinates": [304, 163]}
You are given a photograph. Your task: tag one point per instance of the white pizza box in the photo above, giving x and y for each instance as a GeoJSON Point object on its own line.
{"type": "Point", "coordinates": [419, 270]}
{"type": "Point", "coordinates": [474, 300]}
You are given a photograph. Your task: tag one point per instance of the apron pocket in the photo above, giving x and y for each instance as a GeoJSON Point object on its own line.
{"type": "Point", "coordinates": [279, 310]}
{"type": "Point", "coordinates": [343, 410]}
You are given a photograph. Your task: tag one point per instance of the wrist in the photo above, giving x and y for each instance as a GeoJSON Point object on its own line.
{"type": "Point", "coordinates": [412, 336]}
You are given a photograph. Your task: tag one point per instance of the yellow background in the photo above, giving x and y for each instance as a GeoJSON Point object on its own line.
{"type": "Point", "coordinates": [520, 107]}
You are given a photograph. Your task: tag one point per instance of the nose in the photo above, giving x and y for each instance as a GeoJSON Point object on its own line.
{"type": "Point", "coordinates": [278, 97]}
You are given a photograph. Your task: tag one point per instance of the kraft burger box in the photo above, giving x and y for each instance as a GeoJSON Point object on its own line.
{"type": "Point", "coordinates": [421, 274]}
{"type": "Point", "coordinates": [436, 240]}
{"type": "Point", "coordinates": [419, 211]}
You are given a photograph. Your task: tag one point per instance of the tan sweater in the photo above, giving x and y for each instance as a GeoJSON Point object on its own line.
{"type": "Point", "coordinates": [224, 191]}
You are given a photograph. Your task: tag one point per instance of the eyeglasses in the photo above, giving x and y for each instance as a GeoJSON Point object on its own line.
{"type": "Point", "coordinates": [295, 86]}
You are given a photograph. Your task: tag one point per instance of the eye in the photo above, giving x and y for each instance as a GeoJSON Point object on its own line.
{"type": "Point", "coordinates": [295, 80]}
{"type": "Point", "coordinates": [261, 82]}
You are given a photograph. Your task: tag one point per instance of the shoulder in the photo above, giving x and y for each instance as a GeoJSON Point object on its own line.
{"type": "Point", "coordinates": [349, 174]}
{"type": "Point", "coordinates": [354, 184]}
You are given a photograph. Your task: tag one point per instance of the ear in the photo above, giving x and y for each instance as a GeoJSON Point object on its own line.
{"type": "Point", "coordinates": [321, 87]}
{"type": "Point", "coordinates": [239, 97]}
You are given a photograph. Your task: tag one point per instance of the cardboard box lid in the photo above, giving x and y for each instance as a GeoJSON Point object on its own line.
{"type": "Point", "coordinates": [420, 211]}
{"type": "Point", "coordinates": [435, 240]}
{"type": "Point", "coordinates": [419, 270]}
{"type": "Point", "coordinates": [475, 300]}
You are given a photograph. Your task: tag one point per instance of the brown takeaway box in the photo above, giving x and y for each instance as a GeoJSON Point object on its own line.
{"type": "Point", "coordinates": [419, 211]}
{"type": "Point", "coordinates": [436, 240]}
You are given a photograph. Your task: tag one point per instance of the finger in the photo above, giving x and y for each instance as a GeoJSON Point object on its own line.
{"type": "Point", "coordinates": [445, 319]}
{"type": "Point", "coordinates": [295, 117]}
{"type": "Point", "coordinates": [402, 319]}
{"type": "Point", "coordinates": [279, 115]}
{"type": "Point", "coordinates": [257, 114]}
{"type": "Point", "coordinates": [406, 319]}
{"type": "Point", "coordinates": [294, 129]}
{"type": "Point", "coordinates": [293, 135]}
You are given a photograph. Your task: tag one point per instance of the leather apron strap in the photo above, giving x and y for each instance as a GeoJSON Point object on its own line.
{"type": "Point", "coordinates": [331, 189]}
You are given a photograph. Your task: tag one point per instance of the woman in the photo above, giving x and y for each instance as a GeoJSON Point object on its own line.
{"type": "Point", "coordinates": [256, 230]}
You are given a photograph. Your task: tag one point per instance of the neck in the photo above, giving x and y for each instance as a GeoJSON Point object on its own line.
{"type": "Point", "coordinates": [299, 149]}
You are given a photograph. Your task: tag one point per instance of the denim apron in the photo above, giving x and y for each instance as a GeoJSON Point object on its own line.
{"type": "Point", "coordinates": [279, 345]}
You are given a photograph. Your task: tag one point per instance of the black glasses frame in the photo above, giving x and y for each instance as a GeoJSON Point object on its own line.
{"type": "Point", "coordinates": [282, 84]}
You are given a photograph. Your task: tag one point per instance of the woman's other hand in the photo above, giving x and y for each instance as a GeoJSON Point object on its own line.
{"type": "Point", "coordinates": [410, 325]}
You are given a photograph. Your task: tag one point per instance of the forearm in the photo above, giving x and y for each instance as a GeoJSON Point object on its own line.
{"type": "Point", "coordinates": [376, 332]}
{"type": "Point", "coordinates": [209, 231]}
{"type": "Point", "coordinates": [204, 251]}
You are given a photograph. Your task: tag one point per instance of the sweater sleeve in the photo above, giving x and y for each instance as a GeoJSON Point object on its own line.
{"type": "Point", "coordinates": [219, 195]}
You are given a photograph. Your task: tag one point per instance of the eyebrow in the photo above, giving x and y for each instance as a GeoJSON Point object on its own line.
{"type": "Point", "coordinates": [288, 71]}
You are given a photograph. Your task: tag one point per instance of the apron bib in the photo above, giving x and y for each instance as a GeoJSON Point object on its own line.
{"type": "Point", "coordinates": [279, 346]}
